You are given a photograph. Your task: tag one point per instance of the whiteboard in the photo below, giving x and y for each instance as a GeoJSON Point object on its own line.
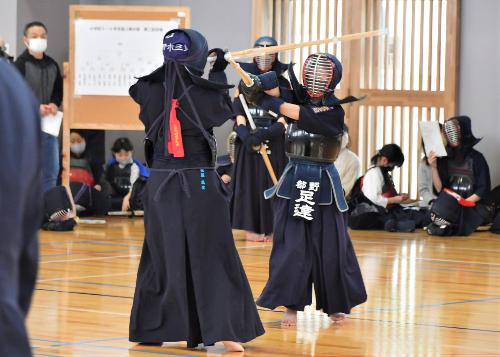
{"type": "Point", "coordinates": [111, 54]}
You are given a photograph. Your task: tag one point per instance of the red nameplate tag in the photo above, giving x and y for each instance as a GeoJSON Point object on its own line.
{"type": "Point", "coordinates": [174, 144]}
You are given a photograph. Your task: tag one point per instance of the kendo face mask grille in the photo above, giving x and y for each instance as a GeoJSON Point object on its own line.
{"type": "Point", "coordinates": [317, 74]}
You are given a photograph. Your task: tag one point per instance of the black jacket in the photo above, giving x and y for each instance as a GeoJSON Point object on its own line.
{"type": "Point", "coordinates": [43, 76]}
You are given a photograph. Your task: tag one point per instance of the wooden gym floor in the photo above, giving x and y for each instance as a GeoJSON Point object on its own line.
{"type": "Point", "coordinates": [427, 296]}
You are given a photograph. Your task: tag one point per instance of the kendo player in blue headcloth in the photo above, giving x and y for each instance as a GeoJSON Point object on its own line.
{"type": "Point", "coordinates": [191, 285]}
{"type": "Point", "coordinates": [250, 211]}
{"type": "Point", "coordinates": [311, 244]}
{"type": "Point", "coordinates": [20, 207]}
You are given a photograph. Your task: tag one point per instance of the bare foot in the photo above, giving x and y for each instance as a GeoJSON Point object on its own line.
{"type": "Point", "coordinates": [289, 319]}
{"type": "Point", "coordinates": [337, 317]}
{"type": "Point", "coordinates": [232, 346]}
{"type": "Point", "coordinates": [268, 238]}
{"type": "Point", "coordinates": [254, 237]}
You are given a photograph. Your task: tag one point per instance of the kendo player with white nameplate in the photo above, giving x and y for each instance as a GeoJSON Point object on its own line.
{"type": "Point", "coordinates": [250, 211]}
{"type": "Point", "coordinates": [191, 285]}
{"type": "Point", "coordinates": [311, 243]}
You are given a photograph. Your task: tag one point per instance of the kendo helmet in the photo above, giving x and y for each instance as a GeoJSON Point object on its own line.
{"type": "Point", "coordinates": [458, 132]}
{"type": "Point", "coordinates": [321, 73]}
{"type": "Point", "coordinates": [187, 47]}
{"type": "Point", "coordinates": [265, 62]}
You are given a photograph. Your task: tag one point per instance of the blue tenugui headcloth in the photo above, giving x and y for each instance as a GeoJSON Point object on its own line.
{"type": "Point", "coordinates": [182, 48]}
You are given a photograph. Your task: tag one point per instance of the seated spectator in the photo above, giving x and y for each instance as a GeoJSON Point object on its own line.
{"type": "Point", "coordinates": [462, 180]}
{"type": "Point", "coordinates": [375, 203]}
{"type": "Point", "coordinates": [425, 186]}
{"type": "Point", "coordinates": [347, 164]}
{"type": "Point", "coordinates": [88, 194]}
{"type": "Point", "coordinates": [121, 173]}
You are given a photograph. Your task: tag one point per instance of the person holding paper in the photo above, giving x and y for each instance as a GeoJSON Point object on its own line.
{"type": "Point", "coordinates": [426, 189]}
{"type": "Point", "coordinates": [42, 74]}
{"type": "Point", "coordinates": [462, 179]}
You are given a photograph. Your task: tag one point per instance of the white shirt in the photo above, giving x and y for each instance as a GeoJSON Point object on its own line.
{"type": "Point", "coordinates": [373, 182]}
{"type": "Point", "coordinates": [425, 185]}
{"type": "Point", "coordinates": [349, 167]}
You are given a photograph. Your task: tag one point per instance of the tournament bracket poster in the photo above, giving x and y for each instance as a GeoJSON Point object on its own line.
{"type": "Point", "coordinates": [111, 54]}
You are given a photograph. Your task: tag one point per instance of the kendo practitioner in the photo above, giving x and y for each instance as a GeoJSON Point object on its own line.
{"type": "Point", "coordinates": [250, 211]}
{"type": "Point", "coordinates": [462, 180]}
{"type": "Point", "coordinates": [191, 285]}
{"type": "Point", "coordinates": [311, 244]}
{"type": "Point", "coordinates": [375, 202]}
{"type": "Point", "coordinates": [20, 207]}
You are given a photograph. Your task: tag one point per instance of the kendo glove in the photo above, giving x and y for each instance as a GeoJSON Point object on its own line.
{"type": "Point", "coordinates": [220, 63]}
{"type": "Point", "coordinates": [268, 80]}
{"type": "Point", "coordinates": [252, 143]}
{"type": "Point", "coordinates": [249, 140]}
{"type": "Point", "coordinates": [270, 103]}
{"type": "Point", "coordinates": [252, 93]}
{"type": "Point", "coordinates": [275, 130]}
{"type": "Point", "coordinates": [242, 132]}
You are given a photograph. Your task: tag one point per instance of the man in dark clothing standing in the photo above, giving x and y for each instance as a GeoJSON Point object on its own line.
{"type": "Point", "coordinates": [43, 76]}
{"type": "Point", "coordinates": [20, 208]}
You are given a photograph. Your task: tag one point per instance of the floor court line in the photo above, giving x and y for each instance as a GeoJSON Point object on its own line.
{"type": "Point", "coordinates": [426, 325]}
{"type": "Point", "coordinates": [85, 277]}
{"type": "Point", "coordinates": [90, 259]}
{"type": "Point", "coordinates": [84, 293]}
{"type": "Point", "coordinates": [423, 306]}
{"type": "Point", "coordinates": [83, 310]}
{"type": "Point", "coordinates": [88, 252]}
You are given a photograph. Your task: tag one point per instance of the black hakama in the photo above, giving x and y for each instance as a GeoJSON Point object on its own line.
{"type": "Point", "coordinates": [250, 210]}
{"type": "Point", "coordinates": [191, 285]}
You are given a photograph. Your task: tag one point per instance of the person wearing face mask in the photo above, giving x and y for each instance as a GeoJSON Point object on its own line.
{"type": "Point", "coordinates": [249, 210]}
{"type": "Point", "coordinates": [375, 203]}
{"type": "Point", "coordinates": [89, 195]}
{"type": "Point", "coordinates": [121, 173]}
{"type": "Point", "coordinates": [42, 74]}
{"type": "Point", "coordinates": [348, 164]}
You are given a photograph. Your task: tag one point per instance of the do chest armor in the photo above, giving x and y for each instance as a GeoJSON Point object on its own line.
{"type": "Point", "coordinates": [461, 177]}
{"type": "Point", "coordinates": [313, 147]}
{"type": "Point", "coordinates": [120, 179]}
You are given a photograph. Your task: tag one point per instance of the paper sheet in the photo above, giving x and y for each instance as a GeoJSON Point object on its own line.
{"type": "Point", "coordinates": [52, 123]}
{"type": "Point", "coordinates": [111, 54]}
{"type": "Point", "coordinates": [431, 134]}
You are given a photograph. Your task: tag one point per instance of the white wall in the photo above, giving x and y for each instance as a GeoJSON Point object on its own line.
{"type": "Point", "coordinates": [479, 86]}
{"type": "Point", "coordinates": [54, 15]}
{"type": "Point", "coordinates": [8, 23]}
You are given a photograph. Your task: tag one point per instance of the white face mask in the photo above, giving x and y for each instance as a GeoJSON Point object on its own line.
{"type": "Point", "coordinates": [77, 149]}
{"type": "Point", "coordinates": [125, 162]}
{"type": "Point", "coordinates": [37, 45]}
{"type": "Point", "coordinates": [345, 140]}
